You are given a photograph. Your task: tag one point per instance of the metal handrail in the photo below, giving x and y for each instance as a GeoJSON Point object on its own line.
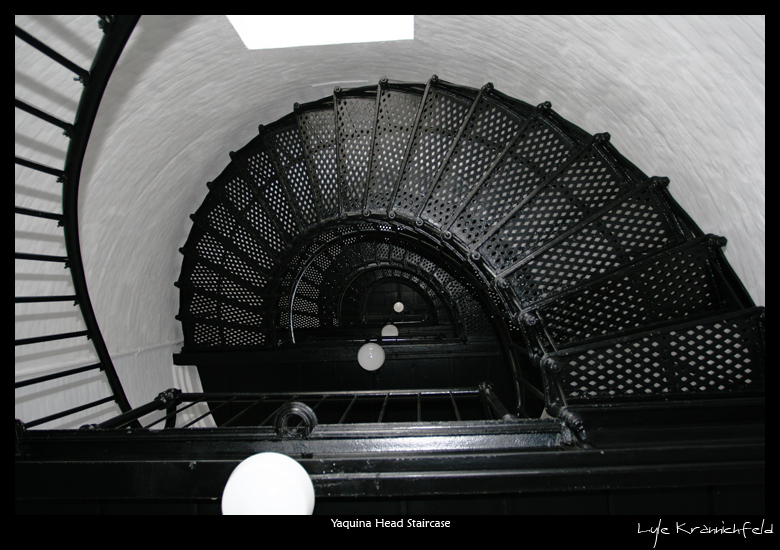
{"type": "Point", "coordinates": [174, 401]}
{"type": "Point", "coordinates": [117, 30]}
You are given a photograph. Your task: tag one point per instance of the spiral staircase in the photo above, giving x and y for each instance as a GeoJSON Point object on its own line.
{"type": "Point", "coordinates": [592, 322]}
{"type": "Point", "coordinates": [618, 295]}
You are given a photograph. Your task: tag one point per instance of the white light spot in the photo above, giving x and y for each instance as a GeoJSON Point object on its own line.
{"type": "Point", "coordinates": [268, 484]}
{"type": "Point", "coordinates": [371, 356]}
{"type": "Point", "coordinates": [389, 330]}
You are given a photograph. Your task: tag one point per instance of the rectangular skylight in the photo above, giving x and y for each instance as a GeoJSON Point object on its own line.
{"type": "Point", "coordinates": [288, 31]}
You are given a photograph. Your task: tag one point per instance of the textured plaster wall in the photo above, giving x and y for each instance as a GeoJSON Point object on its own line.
{"type": "Point", "coordinates": [682, 97]}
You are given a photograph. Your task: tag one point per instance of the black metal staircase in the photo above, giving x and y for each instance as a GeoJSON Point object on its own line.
{"type": "Point", "coordinates": [540, 226]}
{"type": "Point", "coordinates": [523, 235]}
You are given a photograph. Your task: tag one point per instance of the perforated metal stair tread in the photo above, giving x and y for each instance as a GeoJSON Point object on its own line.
{"type": "Point", "coordinates": [709, 356]}
{"type": "Point", "coordinates": [677, 283]}
{"type": "Point", "coordinates": [570, 240]}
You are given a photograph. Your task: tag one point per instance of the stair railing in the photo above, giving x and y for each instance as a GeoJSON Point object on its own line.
{"type": "Point", "coordinates": [117, 30]}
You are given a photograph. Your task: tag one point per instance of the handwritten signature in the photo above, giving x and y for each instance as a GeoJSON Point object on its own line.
{"type": "Point", "coordinates": [683, 528]}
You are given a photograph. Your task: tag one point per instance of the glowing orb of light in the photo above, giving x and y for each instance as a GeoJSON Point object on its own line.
{"type": "Point", "coordinates": [268, 484]}
{"type": "Point", "coordinates": [371, 356]}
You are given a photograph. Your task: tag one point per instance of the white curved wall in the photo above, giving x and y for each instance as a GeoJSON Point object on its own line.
{"type": "Point", "coordinates": [682, 97]}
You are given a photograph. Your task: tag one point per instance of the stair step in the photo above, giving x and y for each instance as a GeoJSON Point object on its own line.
{"type": "Point", "coordinates": [318, 135]}
{"type": "Point", "coordinates": [636, 224]}
{"type": "Point", "coordinates": [672, 285]}
{"type": "Point", "coordinates": [257, 165]}
{"type": "Point", "coordinates": [397, 109]}
{"type": "Point", "coordinates": [539, 149]}
{"type": "Point", "coordinates": [285, 146]}
{"type": "Point", "coordinates": [491, 126]}
{"type": "Point", "coordinates": [722, 355]}
{"type": "Point", "coordinates": [444, 110]}
{"type": "Point", "coordinates": [242, 200]}
{"type": "Point", "coordinates": [583, 186]}
{"type": "Point", "coordinates": [355, 112]}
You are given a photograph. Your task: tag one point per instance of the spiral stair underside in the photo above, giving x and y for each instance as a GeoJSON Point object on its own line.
{"type": "Point", "coordinates": [485, 199]}
{"type": "Point", "coordinates": [517, 233]}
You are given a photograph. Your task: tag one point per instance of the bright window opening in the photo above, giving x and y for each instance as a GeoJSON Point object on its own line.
{"type": "Point", "coordinates": [288, 31]}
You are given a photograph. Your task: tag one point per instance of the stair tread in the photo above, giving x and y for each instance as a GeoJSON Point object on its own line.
{"type": "Point", "coordinates": [637, 224]}
{"type": "Point", "coordinates": [396, 116]}
{"type": "Point", "coordinates": [486, 133]}
{"type": "Point", "coordinates": [584, 185]}
{"type": "Point", "coordinates": [672, 284]}
{"type": "Point", "coordinates": [442, 114]}
{"type": "Point", "coordinates": [284, 144]}
{"type": "Point", "coordinates": [355, 122]}
{"type": "Point", "coordinates": [534, 155]}
{"type": "Point", "coordinates": [713, 355]}
{"type": "Point", "coordinates": [318, 134]}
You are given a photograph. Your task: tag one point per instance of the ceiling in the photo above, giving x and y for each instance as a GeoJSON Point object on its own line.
{"type": "Point", "coordinates": [682, 97]}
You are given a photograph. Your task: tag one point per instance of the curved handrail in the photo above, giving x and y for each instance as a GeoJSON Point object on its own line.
{"type": "Point", "coordinates": [117, 30]}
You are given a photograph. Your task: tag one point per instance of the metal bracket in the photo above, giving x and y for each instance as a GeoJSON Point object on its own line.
{"type": "Point", "coordinates": [292, 410]}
